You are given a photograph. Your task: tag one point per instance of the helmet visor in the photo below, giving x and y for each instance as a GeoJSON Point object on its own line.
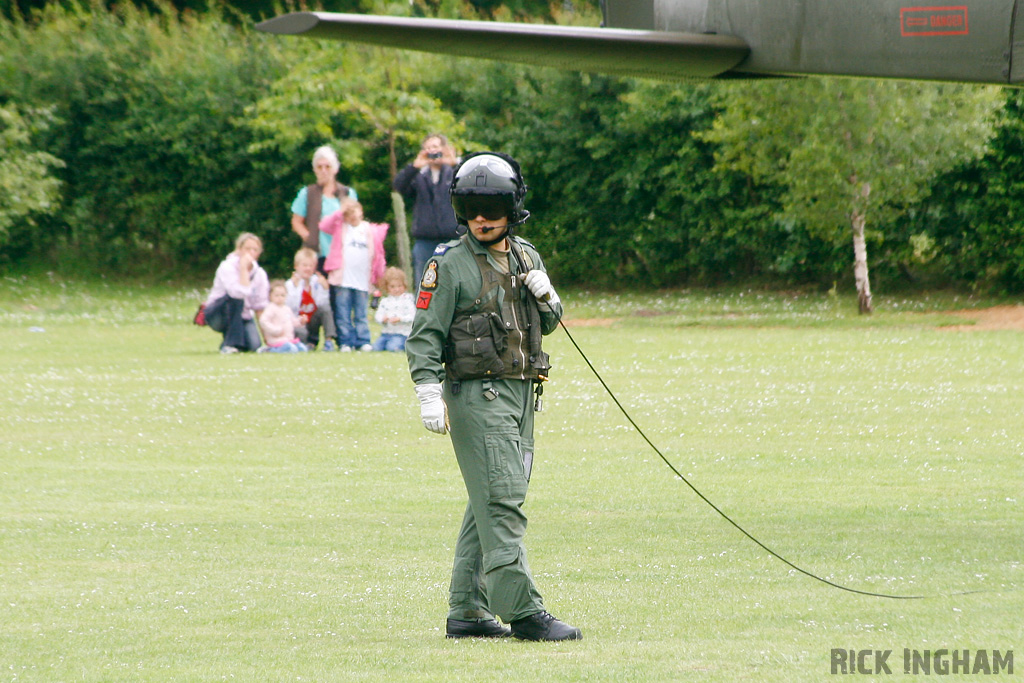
{"type": "Point", "coordinates": [491, 207]}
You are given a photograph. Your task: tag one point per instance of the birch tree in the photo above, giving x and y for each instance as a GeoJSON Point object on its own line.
{"type": "Point", "coordinates": [850, 153]}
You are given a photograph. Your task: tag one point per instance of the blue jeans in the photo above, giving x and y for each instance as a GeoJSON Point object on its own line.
{"type": "Point", "coordinates": [422, 250]}
{"type": "Point", "coordinates": [349, 307]}
{"type": "Point", "coordinates": [390, 342]}
{"type": "Point", "coordinates": [288, 347]}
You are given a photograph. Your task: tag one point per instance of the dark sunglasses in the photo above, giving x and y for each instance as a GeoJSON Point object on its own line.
{"type": "Point", "coordinates": [491, 207]}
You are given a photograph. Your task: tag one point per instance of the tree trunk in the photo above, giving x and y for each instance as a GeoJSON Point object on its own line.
{"type": "Point", "coordinates": [402, 238]}
{"type": "Point", "coordinates": [398, 207]}
{"type": "Point", "coordinates": [392, 158]}
{"type": "Point", "coordinates": [860, 263]}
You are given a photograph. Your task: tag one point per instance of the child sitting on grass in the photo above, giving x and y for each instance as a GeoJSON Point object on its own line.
{"type": "Point", "coordinates": [278, 323]}
{"type": "Point", "coordinates": [310, 299]}
{"type": "Point", "coordinates": [395, 312]}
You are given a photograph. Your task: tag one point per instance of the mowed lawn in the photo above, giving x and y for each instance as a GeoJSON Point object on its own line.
{"type": "Point", "coordinates": [171, 514]}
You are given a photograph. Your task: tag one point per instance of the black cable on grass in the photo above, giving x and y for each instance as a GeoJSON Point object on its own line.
{"type": "Point", "coordinates": [715, 507]}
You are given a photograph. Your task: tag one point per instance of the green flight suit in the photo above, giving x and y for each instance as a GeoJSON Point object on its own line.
{"type": "Point", "coordinates": [493, 439]}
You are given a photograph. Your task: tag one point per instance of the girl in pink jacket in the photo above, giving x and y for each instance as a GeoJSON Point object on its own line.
{"type": "Point", "coordinates": [354, 265]}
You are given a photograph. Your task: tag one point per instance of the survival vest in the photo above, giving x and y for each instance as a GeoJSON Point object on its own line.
{"type": "Point", "coordinates": [497, 340]}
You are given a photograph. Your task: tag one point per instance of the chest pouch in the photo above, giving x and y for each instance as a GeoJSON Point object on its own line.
{"type": "Point", "coordinates": [475, 344]}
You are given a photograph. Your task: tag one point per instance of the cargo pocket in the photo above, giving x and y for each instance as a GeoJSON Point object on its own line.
{"type": "Point", "coordinates": [505, 474]}
{"type": "Point", "coordinates": [464, 577]}
{"type": "Point", "coordinates": [501, 556]}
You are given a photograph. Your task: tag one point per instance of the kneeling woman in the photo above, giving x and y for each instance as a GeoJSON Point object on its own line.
{"type": "Point", "coordinates": [240, 290]}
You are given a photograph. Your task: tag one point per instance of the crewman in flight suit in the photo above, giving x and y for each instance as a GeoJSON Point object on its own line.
{"type": "Point", "coordinates": [475, 356]}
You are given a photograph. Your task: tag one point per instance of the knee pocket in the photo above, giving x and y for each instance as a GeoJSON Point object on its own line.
{"type": "Point", "coordinates": [501, 556]}
{"type": "Point", "coordinates": [505, 472]}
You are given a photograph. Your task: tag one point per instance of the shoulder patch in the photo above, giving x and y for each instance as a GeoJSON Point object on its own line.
{"type": "Point", "coordinates": [429, 280]}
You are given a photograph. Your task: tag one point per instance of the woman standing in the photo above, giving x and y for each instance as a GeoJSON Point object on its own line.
{"type": "Point", "coordinates": [318, 201]}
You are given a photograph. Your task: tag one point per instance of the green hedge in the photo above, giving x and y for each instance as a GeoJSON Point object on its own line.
{"type": "Point", "coordinates": [157, 169]}
{"type": "Point", "coordinates": [148, 113]}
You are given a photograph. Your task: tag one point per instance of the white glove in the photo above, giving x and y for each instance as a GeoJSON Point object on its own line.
{"type": "Point", "coordinates": [540, 285]}
{"type": "Point", "coordinates": [432, 408]}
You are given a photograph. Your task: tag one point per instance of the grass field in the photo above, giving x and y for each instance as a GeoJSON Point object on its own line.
{"type": "Point", "coordinates": [171, 514]}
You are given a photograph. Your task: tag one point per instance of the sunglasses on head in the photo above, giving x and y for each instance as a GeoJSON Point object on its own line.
{"type": "Point", "coordinates": [491, 207]}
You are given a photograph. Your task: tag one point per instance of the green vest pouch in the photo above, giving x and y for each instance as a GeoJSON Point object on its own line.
{"type": "Point", "coordinates": [475, 344]}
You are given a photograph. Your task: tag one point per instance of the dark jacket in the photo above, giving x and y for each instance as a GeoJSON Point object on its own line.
{"type": "Point", "coordinates": [432, 214]}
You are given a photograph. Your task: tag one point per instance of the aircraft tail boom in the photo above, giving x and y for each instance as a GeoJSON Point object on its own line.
{"type": "Point", "coordinates": [622, 52]}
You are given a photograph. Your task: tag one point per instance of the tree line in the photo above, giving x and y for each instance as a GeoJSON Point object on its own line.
{"type": "Point", "coordinates": [143, 140]}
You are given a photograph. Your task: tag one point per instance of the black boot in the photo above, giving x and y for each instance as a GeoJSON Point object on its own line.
{"type": "Point", "coordinates": [490, 628]}
{"type": "Point", "coordinates": [543, 626]}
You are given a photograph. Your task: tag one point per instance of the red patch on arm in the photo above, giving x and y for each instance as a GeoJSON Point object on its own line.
{"type": "Point", "coordinates": [424, 299]}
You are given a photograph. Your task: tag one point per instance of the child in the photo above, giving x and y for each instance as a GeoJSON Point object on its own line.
{"type": "Point", "coordinates": [310, 300]}
{"type": "Point", "coordinates": [278, 323]}
{"type": "Point", "coordinates": [395, 312]}
{"type": "Point", "coordinates": [355, 262]}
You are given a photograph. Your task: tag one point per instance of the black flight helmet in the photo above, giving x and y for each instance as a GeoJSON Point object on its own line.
{"type": "Point", "coordinates": [489, 184]}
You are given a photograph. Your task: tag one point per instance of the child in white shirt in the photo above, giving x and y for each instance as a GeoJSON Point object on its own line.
{"type": "Point", "coordinates": [310, 299]}
{"type": "Point", "coordinates": [395, 312]}
{"type": "Point", "coordinates": [356, 257]}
